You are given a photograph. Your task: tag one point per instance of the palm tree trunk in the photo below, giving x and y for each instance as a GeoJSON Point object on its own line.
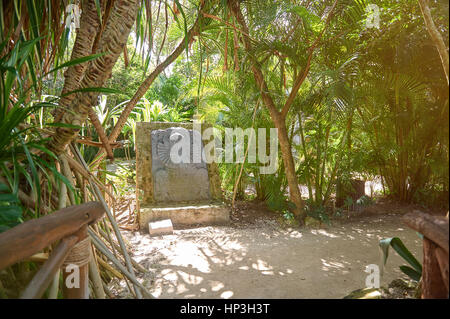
{"type": "Point", "coordinates": [89, 26]}
{"type": "Point", "coordinates": [99, 70]}
{"type": "Point", "coordinates": [148, 82]}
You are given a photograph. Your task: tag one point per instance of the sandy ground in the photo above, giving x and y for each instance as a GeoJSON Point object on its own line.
{"type": "Point", "coordinates": [263, 260]}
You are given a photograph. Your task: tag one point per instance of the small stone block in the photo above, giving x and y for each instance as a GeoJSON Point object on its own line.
{"type": "Point", "coordinates": [159, 228]}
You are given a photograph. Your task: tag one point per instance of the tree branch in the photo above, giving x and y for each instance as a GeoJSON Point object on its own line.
{"type": "Point", "coordinates": [302, 76]}
{"type": "Point", "coordinates": [435, 36]}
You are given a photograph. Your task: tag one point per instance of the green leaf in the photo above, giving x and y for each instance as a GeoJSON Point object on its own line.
{"type": "Point", "coordinates": [4, 188]}
{"type": "Point", "coordinates": [32, 168]}
{"type": "Point", "coordinates": [401, 249]}
{"type": "Point", "coordinates": [10, 213]}
{"type": "Point", "coordinates": [411, 273]}
{"type": "Point", "coordinates": [95, 89]}
{"type": "Point", "coordinates": [75, 127]}
{"type": "Point", "coordinates": [76, 61]}
{"type": "Point", "coordinates": [312, 20]}
{"type": "Point", "coordinates": [8, 198]}
{"type": "Point", "coordinates": [99, 10]}
{"type": "Point", "coordinates": [109, 173]}
{"type": "Point", "coordinates": [185, 26]}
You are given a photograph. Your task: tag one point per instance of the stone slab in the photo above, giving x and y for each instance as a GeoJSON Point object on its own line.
{"type": "Point", "coordinates": [185, 214]}
{"type": "Point", "coordinates": [160, 228]}
{"type": "Point", "coordinates": [145, 178]}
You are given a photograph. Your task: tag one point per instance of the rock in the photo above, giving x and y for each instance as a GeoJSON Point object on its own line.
{"type": "Point", "coordinates": [159, 228]}
{"type": "Point", "coordinates": [366, 293]}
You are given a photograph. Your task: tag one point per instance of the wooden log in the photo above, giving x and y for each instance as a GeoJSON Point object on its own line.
{"type": "Point", "coordinates": [433, 227]}
{"type": "Point", "coordinates": [44, 276]}
{"type": "Point", "coordinates": [81, 291]}
{"type": "Point", "coordinates": [34, 235]}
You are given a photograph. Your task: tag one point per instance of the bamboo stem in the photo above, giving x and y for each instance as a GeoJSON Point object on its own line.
{"type": "Point", "coordinates": [94, 275]}
{"type": "Point", "coordinates": [245, 157]}
{"type": "Point", "coordinates": [135, 264]}
{"type": "Point", "coordinates": [65, 169]}
{"type": "Point", "coordinates": [113, 224]}
{"type": "Point", "coordinates": [103, 249]}
{"type": "Point", "coordinates": [53, 292]}
{"type": "Point", "coordinates": [108, 267]}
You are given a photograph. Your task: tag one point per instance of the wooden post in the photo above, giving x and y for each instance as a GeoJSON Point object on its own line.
{"type": "Point", "coordinates": [435, 252]}
{"type": "Point", "coordinates": [44, 276]}
{"type": "Point", "coordinates": [442, 258]}
{"type": "Point", "coordinates": [76, 269]}
{"type": "Point", "coordinates": [433, 284]}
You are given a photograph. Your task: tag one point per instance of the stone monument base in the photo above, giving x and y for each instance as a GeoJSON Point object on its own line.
{"type": "Point", "coordinates": [183, 214]}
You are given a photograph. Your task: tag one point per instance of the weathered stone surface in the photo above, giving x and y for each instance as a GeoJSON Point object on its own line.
{"type": "Point", "coordinates": [160, 228]}
{"type": "Point", "coordinates": [180, 215]}
{"type": "Point", "coordinates": [187, 193]}
{"type": "Point", "coordinates": [144, 178]}
{"type": "Point", "coordinates": [175, 182]}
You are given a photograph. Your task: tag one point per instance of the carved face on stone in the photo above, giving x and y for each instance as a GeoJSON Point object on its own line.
{"type": "Point", "coordinates": [177, 182]}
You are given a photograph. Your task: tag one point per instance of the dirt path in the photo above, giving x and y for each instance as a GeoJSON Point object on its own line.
{"type": "Point", "coordinates": [264, 261]}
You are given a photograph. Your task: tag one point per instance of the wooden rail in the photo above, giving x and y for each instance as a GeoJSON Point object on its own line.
{"type": "Point", "coordinates": [68, 225]}
{"type": "Point", "coordinates": [435, 271]}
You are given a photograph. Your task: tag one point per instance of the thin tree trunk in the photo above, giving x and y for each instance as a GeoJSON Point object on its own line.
{"type": "Point", "coordinates": [278, 119]}
{"type": "Point", "coordinates": [245, 157]}
{"type": "Point", "coordinates": [101, 133]}
{"type": "Point", "coordinates": [305, 154]}
{"type": "Point", "coordinates": [435, 35]}
{"type": "Point", "coordinates": [322, 171]}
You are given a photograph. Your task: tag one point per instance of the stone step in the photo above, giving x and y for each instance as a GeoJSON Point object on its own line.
{"type": "Point", "coordinates": [181, 215]}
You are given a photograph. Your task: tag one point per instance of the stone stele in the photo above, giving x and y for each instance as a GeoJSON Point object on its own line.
{"type": "Point", "coordinates": [185, 193]}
